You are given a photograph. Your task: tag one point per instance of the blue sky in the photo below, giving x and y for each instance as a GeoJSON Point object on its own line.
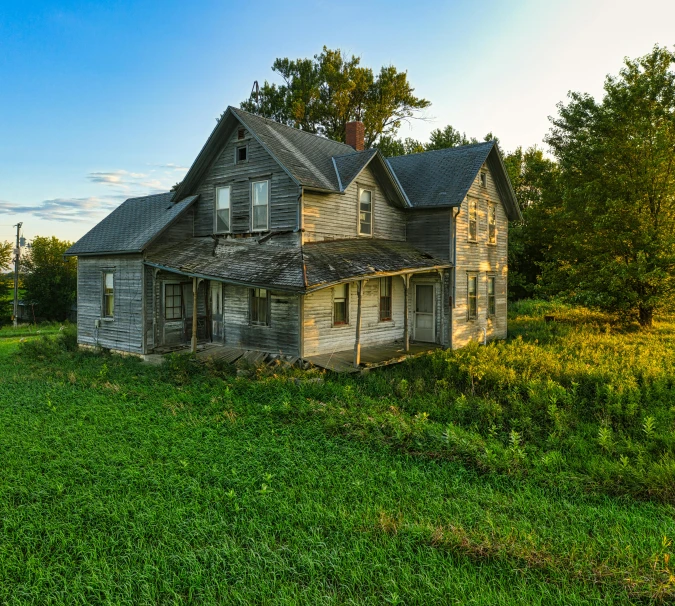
{"type": "Point", "coordinates": [100, 101]}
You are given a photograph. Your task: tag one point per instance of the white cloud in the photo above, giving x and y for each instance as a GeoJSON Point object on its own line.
{"type": "Point", "coordinates": [64, 209]}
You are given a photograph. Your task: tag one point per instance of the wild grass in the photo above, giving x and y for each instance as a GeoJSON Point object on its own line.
{"type": "Point", "coordinates": [434, 482]}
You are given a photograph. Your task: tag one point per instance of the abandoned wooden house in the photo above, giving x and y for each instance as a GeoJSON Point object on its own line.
{"type": "Point", "coordinates": [286, 242]}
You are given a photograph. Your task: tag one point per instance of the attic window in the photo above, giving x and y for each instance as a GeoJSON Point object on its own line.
{"type": "Point", "coordinates": [241, 133]}
{"type": "Point", "coordinates": [242, 154]}
{"type": "Point", "coordinates": [483, 179]}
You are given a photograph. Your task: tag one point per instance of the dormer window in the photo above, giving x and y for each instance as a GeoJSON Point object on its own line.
{"type": "Point", "coordinates": [242, 154]}
{"type": "Point", "coordinates": [365, 212]}
{"type": "Point", "coordinates": [483, 179]}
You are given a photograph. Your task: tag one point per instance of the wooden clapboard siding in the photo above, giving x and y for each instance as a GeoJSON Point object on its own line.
{"type": "Point", "coordinates": [335, 216]}
{"type": "Point", "coordinates": [431, 231]}
{"type": "Point", "coordinates": [320, 336]}
{"type": "Point", "coordinates": [125, 331]}
{"type": "Point", "coordinates": [483, 259]}
{"type": "Point", "coordinates": [178, 231]}
{"type": "Point", "coordinates": [281, 336]}
{"type": "Point", "coordinates": [284, 193]}
{"type": "Point", "coordinates": [149, 301]}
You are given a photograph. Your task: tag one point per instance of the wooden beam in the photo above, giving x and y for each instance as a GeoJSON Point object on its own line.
{"type": "Point", "coordinates": [194, 315]}
{"type": "Point", "coordinates": [406, 312]}
{"type": "Point", "coordinates": [357, 342]}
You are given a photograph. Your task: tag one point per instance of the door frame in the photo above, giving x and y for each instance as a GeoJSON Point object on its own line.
{"type": "Point", "coordinates": [212, 283]}
{"type": "Point", "coordinates": [432, 283]}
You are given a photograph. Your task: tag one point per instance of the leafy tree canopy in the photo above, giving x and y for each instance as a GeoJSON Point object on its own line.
{"type": "Point", "coordinates": [438, 139]}
{"type": "Point", "coordinates": [616, 245]}
{"type": "Point", "coordinates": [5, 280]}
{"type": "Point", "coordinates": [49, 280]}
{"type": "Point", "coordinates": [320, 95]}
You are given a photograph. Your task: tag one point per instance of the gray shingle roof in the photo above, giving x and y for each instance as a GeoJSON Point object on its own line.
{"type": "Point", "coordinates": [441, 177]}
{"type": "Point", "coordinates": [306, 156]}
{"type": "Point", "coordinates": [350, 165]}
{"type": "Point", "coordinates": [131, 226]}
{"type": "Point", "coordinates": [293, 268]}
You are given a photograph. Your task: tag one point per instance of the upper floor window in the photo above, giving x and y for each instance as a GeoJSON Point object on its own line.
{"type": "Point", "coordinates": [173, 302]}
{"type": "Point", "coordinates": [108, 294]}
{"type": "Point", "coordinates": [483, 179]}
{"type": "Point", "coordinates": [491, 302]}
{"type": "Point", "coordinates": [492, 224]}
{"type": "Point", "coordinates": [241, 154]}
{"type": "Point", "coordinates": [365, 212]}
{"type": "Point", "coordinates": [223, 210]}
{"type": "Point", "coordinates": [385, 299]}
{"type": "Point", "coordinates": [260, 199]}
{"type": "Point", "coordinates": [473, 219]}
{"type": "Point", "coordinates": [259, 301]}
{"type": "Point", "coordinates": [340, 304]}
{"type": "Point", "coordinates": [472, 297]}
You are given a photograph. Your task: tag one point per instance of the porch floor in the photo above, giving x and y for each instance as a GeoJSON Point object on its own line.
{"type": "Point", "coordinates": [372, 356]}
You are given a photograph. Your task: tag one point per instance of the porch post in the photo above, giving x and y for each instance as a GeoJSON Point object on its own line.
{"type": "Point", "coordinates": [194, 315]}
{"type": "Point", "coordinates": [442, 309]}
{"type": "Point", "coordinates": [357, 342]}
{"type": "Point", "coordinates": [406, 312]}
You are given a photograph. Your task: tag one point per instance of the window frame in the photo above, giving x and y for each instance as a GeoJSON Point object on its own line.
{"type": "Point", "coordinates": [361, 190]}
{"type": "Point", "coordinates": [268, 311]}
{"type": "Point", "coordinates": [252, 206]}
{"type": "Point", "coordinates": [106, 295]}
{"type": "Point", "coordinates": [471, 314]}
{"type": "Point", "coordinates": [472, 209]}
{"type": "Point", "coordinates": [179, 285]}
{"type": "Point", "coordinates": [345, 300]}
{"type": "Point", "coordinates": [215, 210]}
{"type": "Point", "coordinates": [491, 298]}
{"type": "Point", "coordinates": [236, 154]}
{"type": "Point", "coordinates": [492, 223]}
{"type": "Point", "coordinates": [387, 280]}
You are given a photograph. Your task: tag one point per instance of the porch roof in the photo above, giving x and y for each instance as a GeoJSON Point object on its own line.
{"type": "Point", "coordinates": [297, 268]}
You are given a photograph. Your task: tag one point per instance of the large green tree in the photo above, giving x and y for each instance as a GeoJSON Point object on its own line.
{"type": "Point", "coordinates": [615, 248]}
{"type": "Point", "coordinates": [49, 279]}
{"type": "Point", "coordinates": [322, 94]}
{"type": "Point", "coordinates": [535, 181]}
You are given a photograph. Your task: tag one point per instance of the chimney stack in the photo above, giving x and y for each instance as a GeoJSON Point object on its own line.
{"type": "Point", "coordinates": [355, 135]}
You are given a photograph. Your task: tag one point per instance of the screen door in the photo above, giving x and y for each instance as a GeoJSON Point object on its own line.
{"type": "Point", "coordinates": [424, 313]}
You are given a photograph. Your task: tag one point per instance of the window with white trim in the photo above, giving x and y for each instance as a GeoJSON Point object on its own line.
{"type": "Point", "coordinates": [491, 297]}
{"type": "Point", "coordinates": [492, 223]}
{"type": "Point", "coordinates": [340, 304]}
{"type": "Point", "coordinates": [472, 297]}
{"type": "Point", "coordinates": [260, 202]}
{"type": "Point", "coordinates": [223, 210]}
{"type": "Point", "coordinates": [108, 294]}
{"type": "Point", "coordinates": [365, 212]}
{"type": "Point", "coordinates": [259, 306]}
{"type": "Point", "coordinates": [473, 219]}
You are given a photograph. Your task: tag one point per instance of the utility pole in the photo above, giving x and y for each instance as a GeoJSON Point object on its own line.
{"type": "Point", "coordinates": [17, 256]}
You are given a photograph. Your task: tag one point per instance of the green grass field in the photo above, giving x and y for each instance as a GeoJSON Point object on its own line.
{"type": "Point", "coordinates": [525, 472]}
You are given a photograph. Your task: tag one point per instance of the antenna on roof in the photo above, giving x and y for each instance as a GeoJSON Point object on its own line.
{"type": "Point", "coordinates": [255, 94]}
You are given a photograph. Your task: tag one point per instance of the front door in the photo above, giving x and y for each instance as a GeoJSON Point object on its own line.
{"type": "Point", "coordinates": [425, 320]}
{"type": "Point", "coordinates": [216, 311]}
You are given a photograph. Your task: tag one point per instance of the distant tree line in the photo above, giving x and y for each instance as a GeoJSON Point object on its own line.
{"type": "Point", "coordinates": [598, 222]}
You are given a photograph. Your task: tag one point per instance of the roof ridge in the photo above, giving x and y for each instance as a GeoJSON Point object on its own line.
{"type": "Point", "coordinates": [444, 149]}
{"type": "Point", "coordinates": [299, 130]}
{"type": "Point", "coordinates": [363, 151]}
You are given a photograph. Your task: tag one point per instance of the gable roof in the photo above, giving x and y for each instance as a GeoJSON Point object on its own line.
{"type": "Point", "coordinates": [350, 165]}
{"type": "Point", "coordinates": [131, 226]}
{"type": "Point", "coordinates": [443, 177]}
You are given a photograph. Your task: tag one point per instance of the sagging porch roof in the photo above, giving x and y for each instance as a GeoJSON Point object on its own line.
{"type": "Point", "coordinates": [301, 269]}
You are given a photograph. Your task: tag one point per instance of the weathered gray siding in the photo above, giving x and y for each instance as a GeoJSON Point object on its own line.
{"type": "Point", "coordinates": [125, 331]}
{"type": "Point", "coordinates": [335, 216]}
{"type": "Point", "coordinates": [431, 231]}
{"type": "Point", "coordinates": [483, 259]}
{"type": "Point", "coordinates": [281, 336]}
{"type": "Point", "coordinates": [284, 193]}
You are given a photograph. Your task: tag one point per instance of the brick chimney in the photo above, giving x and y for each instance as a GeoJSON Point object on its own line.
{"type": "Point", "coordinates": [355, 134]}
